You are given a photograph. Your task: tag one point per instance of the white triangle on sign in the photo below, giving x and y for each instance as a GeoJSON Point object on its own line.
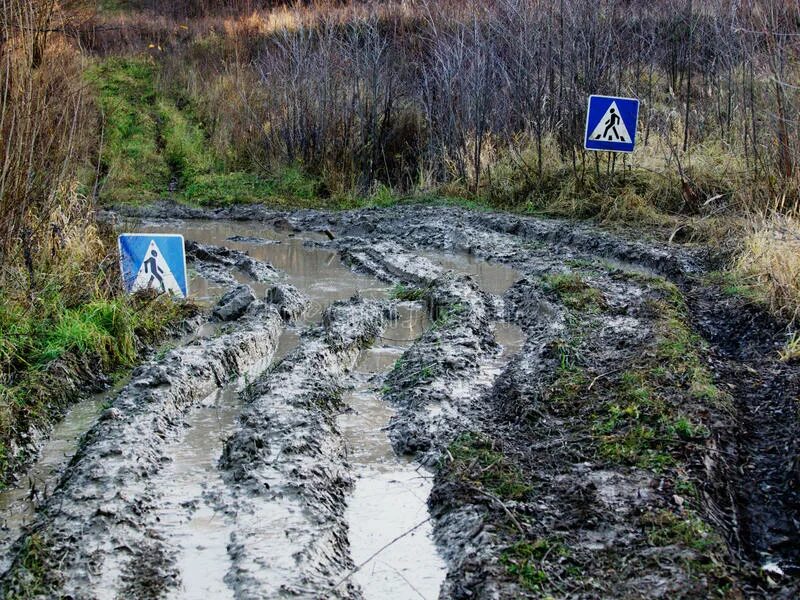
{"type": "Point", "coordinates": [154, 272]}
{"type": "Point", "coordinates": [611, 128]}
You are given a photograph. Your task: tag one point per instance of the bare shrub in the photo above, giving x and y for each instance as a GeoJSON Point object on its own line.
{"type": "Point", "coordinates": [45, 122]}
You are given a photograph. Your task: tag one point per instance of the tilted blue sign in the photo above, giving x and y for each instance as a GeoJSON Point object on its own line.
{"type": "Point", "coordinates": [152, 261]}
{"type": "Point", "coordinates": [611, 124]}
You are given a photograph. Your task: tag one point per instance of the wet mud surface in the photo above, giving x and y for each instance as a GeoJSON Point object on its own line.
{"type": "Point", "coordinates": [426, 402]}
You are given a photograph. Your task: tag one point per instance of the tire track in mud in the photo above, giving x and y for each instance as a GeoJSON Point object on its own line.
{"type": "Point", "coordinates": [285, 465]}
{"type": "Point", "coordinates": [436, 388]}
{"type": "Point", "coordinates": [390, 533]}
{"type": "Point", "coordinates": [91, 531]}
{"type": "Point", "coordinates": [446, 359]}
{"type": "Point", "coordinates": [191, 535]}
{"type": "Point", "coordinates": [765, 521]}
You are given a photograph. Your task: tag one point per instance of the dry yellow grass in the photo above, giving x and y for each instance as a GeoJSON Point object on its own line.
{"type": "Point", "coordinates": [770, 260]}
{"type": "Point", "coordinates": [792, 349]}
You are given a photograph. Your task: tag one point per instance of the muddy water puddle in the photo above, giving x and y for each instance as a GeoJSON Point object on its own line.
{"type": "Point", "coordinates": [18, 503]}
{"type": "Point", "coordinates": [198, 532]}
{"type": "Point", "coordinates": [316, 271]}
{"type": "Point", "coordinates": [491, 277]}
{"type": "Point", "coordinates": [390, 496]}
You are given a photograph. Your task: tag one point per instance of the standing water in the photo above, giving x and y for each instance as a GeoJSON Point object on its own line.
{"type": "Point", "coordinates": [390, 532]}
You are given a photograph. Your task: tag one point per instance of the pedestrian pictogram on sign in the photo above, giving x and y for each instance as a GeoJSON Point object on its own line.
{"type": "Point", "coordinates": [611, 123]}
{"type": "Point", "coordinates": [150, 261]}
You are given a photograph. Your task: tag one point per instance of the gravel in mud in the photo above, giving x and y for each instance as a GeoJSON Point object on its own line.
{"type": "Point", "coordinates": [641, 442]}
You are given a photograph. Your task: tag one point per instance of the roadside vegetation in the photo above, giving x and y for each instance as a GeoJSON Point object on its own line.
{"type": "Point", "coordinates": [658, 410]}
{"type": "Point", "coordinates": [63, 323]}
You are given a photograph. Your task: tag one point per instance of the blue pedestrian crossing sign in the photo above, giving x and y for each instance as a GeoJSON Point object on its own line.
{"type": "Point", "coordinates": [611, 124]}
{"type": "Point", "coordinates": [152, 261]}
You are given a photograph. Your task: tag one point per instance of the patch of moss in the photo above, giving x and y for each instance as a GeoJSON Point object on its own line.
{"type": "Point", "coordinates": [477, 460]}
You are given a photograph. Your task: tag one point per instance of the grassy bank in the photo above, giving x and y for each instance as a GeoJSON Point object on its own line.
{"type": "Point", "coordinates": [154, 149]}
{"type": "Point", "coordinates": [65, 333]}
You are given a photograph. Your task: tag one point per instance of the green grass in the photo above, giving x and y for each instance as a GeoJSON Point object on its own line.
{"type": "Point", "coordinates": [402, 292]}
{"type": "Point", "coordinates": [106, 328]}
{"type": "Point", "coordinates": [575, 293]}
{"type": "Point", "coordinates": [149, 141]}
{"type": "Point", "coordinates": [791, 351]}
{"type": "Point", "coordinates": [35, 578]}
{"type": "Point", "coordinates": [665, 528]}
{"type": "Point", "coordinates": [734, 285]}
{"type": "Point", "coordinates": [646, 423]}
{"type": "Point", "coordinates": [570, 383]}
{"type": "Point", "coordinates": [523, 561]}
{"type": "Point", "coordinates": [185, 149]}
{"type": "Point", "coordinates": [289, 187]}
{"type": "Point", "coordinates": [136, 169]}
{"type": "Point", "coordinates": [447, 314]}
{"type": "Point", "coordinates": [477, 461]}
{"type": "Point", "coordinates": [105, 334]}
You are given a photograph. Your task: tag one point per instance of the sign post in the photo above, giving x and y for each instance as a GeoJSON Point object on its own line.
{"type": "Point", "coordinates": [611, 124]}
{"type": "Point", "coordinates": [153, 261]}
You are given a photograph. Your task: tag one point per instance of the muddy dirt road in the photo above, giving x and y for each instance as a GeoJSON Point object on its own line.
{"type": "Point", "coordinates": [421, 403]}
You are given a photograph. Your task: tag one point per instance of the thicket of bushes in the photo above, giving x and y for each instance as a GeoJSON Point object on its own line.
{"type": "Point", "coordinates": [489, 100]}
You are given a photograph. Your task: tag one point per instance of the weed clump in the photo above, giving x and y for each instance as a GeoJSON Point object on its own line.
{"type": "Point", "coordinates": [666, 527]}
{"type": "Point", "coordinates": [476, 460]}
{"type": "Point", "coordinates": [37, 573]}
{"type": "Point", "coordinates": [575, 293]}
{"type": "Point", "coordinates": [523, 561]}
{"type": "Point", "coordinates": [769, 263]}
{"type": "Point", "coordinates": [402, 292]}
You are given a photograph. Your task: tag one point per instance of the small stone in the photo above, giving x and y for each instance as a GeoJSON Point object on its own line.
{"type": "Point", "coordinates": [234, 303]}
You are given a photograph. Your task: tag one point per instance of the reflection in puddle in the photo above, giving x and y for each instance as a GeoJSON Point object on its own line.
{"type": "Point", "coordinates": [490, 277]}
{"type": "Point", "coordinates": [317, 272]}
{"type": "Point", "coordinates": [200, 534]}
